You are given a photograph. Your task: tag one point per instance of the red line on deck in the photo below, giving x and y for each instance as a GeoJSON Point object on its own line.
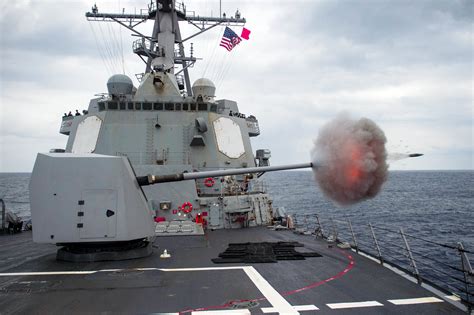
{"type": "Point", "coordinates": [348, 268]}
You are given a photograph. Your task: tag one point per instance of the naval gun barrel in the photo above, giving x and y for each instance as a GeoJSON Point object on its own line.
{"type": "Point", "coordinates": [155, 179]}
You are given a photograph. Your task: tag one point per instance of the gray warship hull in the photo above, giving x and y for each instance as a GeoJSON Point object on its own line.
{"type": "Point", "coordinates": [32, 281]}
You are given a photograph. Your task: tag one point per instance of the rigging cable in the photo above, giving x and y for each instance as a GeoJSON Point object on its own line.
{"type": "Point", "coordinates": [101, 53]}
{"type": "Point", "coordinates": [225, 61]}
{"type": "Point", "coordinates": [121, 43]}
{"type": "Point", "coordinates": [107, 49]}
{"type": "Point", "coordinates": [207, 51]}
{"type": "Point", "coordinates": [117, 45]}
{"type": "Point", "coordinates": [114, 46]}
{"type": "Point", "coordinates": [214, 62]}
{"type": "Point", "coordinates": [110, 42]}
{"type": "Point", "coordinates": [227, 67]}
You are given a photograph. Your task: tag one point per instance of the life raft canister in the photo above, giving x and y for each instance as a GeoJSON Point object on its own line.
{"type": "Point", "coordinates": [209, 182]}
{"type": "Point", "coordinates": [187, 207]}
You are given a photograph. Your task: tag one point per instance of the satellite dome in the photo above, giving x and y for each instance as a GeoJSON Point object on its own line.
{"type": "Point", "coordinates": [119, 84]}
{"type": "Point", "coordinates": [204, 87]}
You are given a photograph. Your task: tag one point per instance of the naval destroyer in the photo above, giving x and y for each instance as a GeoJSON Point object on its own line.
{"type": "Point", "coordinates": [157, 206]}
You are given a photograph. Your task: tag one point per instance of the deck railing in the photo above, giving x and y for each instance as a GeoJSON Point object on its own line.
{"type": "Point", "coordinates": [3, 229]}
{"type": "Point", "coordinates": [445, 267]}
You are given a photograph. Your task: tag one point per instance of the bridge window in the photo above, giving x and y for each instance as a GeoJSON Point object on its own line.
{"type": "Point", "coordinates": [101, 106]}
{"type": "Point", "coordinates": [178, 106]}
{"type": "Point", "coordinates": [122, 105]}
{"type": "Point", "coordinates": [138, 106]}
{"type": "Point", "coordinates": [112, 105]}
{"type": "Point", "coordinates": [185, 107]}
{"type": "Point", "coordinates": [193, 106]}
{"type": "Point", "coordinates": [169, 106]}
{"type": "Point", "coordinates": [147, 106]}
{"type": "Point", "coordinates": [158, 106]}
{"type": "Point", "coordinates": [130, 105]}
{"type": "Point", "coordinates": [202, 106]}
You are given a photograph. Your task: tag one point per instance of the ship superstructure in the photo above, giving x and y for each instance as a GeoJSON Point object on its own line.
{"type": "Point", "coordinates": [166, 125]}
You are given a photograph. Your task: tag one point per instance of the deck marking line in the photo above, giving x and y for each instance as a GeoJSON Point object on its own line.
{"type": "Point", "coordinates": [236, 312]}
{"type": "Point", "coordinates": [317, 284]}
{"type": "Point", "coordinates": [336, 306]}
{"type": "Point", "coordinates": [89, 272]}
{"type": "Point", "coordinates": [422, 300]}
{"type": "Point", "coordinates": [46, 273]}
{"type": "Point", "coordinates": [453, 297]}
{"type": "Point", "coordinates": [275, 299]}
{"type": "Point", "coordinates": [296, 307]}
{"type": "Point", "coordinates": [206, 268]}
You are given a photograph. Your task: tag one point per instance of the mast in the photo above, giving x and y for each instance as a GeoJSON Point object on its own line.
{"type": "Point", "coordinates": [158, 51]}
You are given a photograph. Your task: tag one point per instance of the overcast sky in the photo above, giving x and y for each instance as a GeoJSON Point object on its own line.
{"type": "Point", "coordinates": [408, 65]}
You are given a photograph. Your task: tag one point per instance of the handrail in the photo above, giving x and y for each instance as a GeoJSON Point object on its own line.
{"type": "Point", "coordinates": [3, 214]}
{"type": "Point", "coordinates": [426, 240]}
{"type": "Point", "coordinates": [402, 254]}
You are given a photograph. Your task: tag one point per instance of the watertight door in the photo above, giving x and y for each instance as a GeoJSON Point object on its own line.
{"type": "Point", "coordinates": [214, 216]}
{"type": "Point", "coordinates": [99, 219]}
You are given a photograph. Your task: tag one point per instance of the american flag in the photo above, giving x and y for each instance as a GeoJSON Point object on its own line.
{"type": "Point", "coordinates": [229, 39]}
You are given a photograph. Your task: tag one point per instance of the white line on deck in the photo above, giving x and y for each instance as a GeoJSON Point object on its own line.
{"type": "Point", "coordinates": [48, 273]}
{"type": "Point", "coordinates": [277, 301]}
{"type": "Point", "coordinates": [204, 268]}
{"type": "Point", "coordinates": [423, 300]}
{"type": "Point", "coordinates": [89, 272]}
{"type": "Point", "coordinates": [453, 297]}
{"type": "Point", "coordinates": [230, 312]}
{"type": "Point", "coordinates": [296, 307]}
{"type": "Point", "coordinates": [336, 306]}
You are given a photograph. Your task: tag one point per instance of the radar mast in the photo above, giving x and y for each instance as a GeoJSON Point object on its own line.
{"type": "Point", "coordinates": [165, 47]}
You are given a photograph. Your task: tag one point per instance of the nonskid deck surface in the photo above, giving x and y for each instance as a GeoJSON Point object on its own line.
{"type": "Point", "coordinates": [188, 282]}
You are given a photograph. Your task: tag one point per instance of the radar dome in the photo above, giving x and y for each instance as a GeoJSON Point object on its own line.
{"type": "Point", "coordinates": [204, 87]}
{"type": "Point", "coordinates": [119, 84]}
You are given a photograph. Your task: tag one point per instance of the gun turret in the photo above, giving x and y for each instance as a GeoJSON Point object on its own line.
{"type": "Point", "coordinates": [156, 179]}
{"type": "Point", "coordinates": [103, 206]}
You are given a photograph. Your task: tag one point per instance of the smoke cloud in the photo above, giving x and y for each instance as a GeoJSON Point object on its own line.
{"type": "Point", "coordinates": [350, 159]}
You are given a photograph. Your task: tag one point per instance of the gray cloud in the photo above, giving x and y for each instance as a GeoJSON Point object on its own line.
{"type": "Point", "coordinates": [406, 64]}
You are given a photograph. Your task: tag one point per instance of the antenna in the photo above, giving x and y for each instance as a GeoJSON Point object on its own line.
{"type": "Point", "coordinates": [159, 46]}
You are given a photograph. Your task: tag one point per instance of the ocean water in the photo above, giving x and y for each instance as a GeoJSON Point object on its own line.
{"type": "Point", "coordinates": [14, 191]}
{"type": "Point", "coordinates": [432, 206]}
{"type": "Point", "coordinates": [438, 205]}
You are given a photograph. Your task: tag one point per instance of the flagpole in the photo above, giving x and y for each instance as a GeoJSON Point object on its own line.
{"type": "Point", "coordinates": [220, 8]}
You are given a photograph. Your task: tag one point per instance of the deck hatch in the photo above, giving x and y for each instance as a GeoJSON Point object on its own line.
{"type": "Point", "coordinates": [98, 219]}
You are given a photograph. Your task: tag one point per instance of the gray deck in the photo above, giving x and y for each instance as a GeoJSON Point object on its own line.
{"type": "Point", "coordinates": [340, 276]}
